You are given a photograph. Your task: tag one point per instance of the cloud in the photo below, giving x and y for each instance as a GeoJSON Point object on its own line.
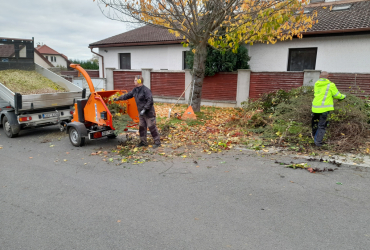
{"type": "Point", "coordinates": [67, 26]}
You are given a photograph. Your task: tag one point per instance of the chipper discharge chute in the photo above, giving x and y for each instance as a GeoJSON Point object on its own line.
{"type": "Point", "coordinates": [92, 119]}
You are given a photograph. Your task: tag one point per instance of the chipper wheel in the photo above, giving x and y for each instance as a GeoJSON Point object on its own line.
{"type": "Point", "coordinates": [76, 139]}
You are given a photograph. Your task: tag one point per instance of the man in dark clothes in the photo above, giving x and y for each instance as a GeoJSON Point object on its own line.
{"type": "Point", "coordinates": [144, 102]}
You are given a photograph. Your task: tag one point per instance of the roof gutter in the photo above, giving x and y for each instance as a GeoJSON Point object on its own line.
{"type": "Point", "coordinates": [135, 44]}
{"type": "Point", "coordinates": [336, 31]}
{"type": "Point", "coordinates": [102, 60]}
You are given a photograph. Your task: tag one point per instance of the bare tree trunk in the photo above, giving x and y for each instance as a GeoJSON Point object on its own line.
{"type": "Point", "coordinates": [199, 67]}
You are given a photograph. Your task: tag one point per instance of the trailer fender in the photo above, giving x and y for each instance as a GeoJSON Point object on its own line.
{"type": "Point", "coordinates": [12, 119]}
{"type": "Point", "coordinates": [80, 127]}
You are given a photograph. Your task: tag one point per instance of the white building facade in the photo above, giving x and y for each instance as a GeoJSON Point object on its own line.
{"type": "Point", "coordinates": [56, 60]}
{"type": "Point", "coordinates": [346, 53]}
{"type": "Point", "coordinates": [156, 57]}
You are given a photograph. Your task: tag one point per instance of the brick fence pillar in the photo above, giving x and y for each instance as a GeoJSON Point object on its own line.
{"type": "Point", "coordinates": [109, 78]}
{"type": "Point", "coordinates": [145, 73]}
{"type": "Point", "coordinates": [310, 77]}
{"type": "Point", "coordinates": [243, 84]}
{"type": "Point", "coordinates": [188, 79]}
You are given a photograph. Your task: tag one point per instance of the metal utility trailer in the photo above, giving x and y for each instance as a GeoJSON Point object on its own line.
{"type": "Point", "coordinates": [18, 111]}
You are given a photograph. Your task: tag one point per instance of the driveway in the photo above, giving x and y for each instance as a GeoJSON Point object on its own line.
{"type": "Point", "coordinates": [56, 196]}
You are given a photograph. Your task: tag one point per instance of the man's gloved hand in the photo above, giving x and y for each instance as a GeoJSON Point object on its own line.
{"type": "Point", "coordinates": [142, 112]}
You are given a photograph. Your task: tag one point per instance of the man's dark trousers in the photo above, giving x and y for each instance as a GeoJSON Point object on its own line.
{"type": "Point", "coordinates": [148, 122]}
{"type": "Point", "coordinates": [319, 125]}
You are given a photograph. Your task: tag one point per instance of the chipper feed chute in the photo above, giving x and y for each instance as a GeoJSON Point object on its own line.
{"type": "Point", "coordinates": [92, 118]}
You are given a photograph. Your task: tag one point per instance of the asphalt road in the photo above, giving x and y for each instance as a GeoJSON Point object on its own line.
{"type": "Point", "coordinates": [233, 201]}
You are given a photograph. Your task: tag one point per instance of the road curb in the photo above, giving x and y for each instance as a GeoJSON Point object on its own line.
{"type": "Point", "coordinates": [325, 158]}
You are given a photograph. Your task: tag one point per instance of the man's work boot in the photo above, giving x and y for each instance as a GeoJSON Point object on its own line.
{"type": "Point", "coordinates": [156, 145]}
{"type": "Point", "coordinates": [141, 144]}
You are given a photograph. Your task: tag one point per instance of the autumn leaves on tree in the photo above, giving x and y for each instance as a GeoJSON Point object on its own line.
{"type": "Point", "coordinates": [223, 24]}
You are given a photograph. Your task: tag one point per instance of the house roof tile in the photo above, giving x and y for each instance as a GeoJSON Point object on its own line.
{"type": "Point", "coordinates": [6, 50]}
{"type": "Point", "coordinates": [44, 49]}
{"type": "Point", "coordinates": [143, 35]}
{"type": "Point", "coordinates": [356, 18]}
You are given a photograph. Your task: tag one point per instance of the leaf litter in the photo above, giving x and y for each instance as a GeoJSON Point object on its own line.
{"type": "Point", "coordinates": [210, 133]}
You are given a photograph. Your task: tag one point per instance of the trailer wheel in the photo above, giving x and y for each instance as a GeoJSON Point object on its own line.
{"type": "Point", "coordinates": [76, 139]}
{"type": "Point", "coordinates": [7, 128]}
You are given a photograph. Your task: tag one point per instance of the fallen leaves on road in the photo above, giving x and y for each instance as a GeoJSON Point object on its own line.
{"type": "Point", "coordinates": [306, 167]}
{"type": "Point", "coordinates": [210, 133]}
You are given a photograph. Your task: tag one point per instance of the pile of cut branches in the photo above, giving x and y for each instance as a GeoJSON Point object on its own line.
{"type": "Point", "coordinates": [28, 82]}
{"type": "Point", "coordinates": [284, 118]}
{"type": "Point", "coordinates": [119, 114]}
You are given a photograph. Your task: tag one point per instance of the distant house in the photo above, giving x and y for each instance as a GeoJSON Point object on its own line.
{"type": "Point", "coordinates": [9, 51]}
{"type": "Point", "coordinates": [41, 60]}
{"type": "Point", "coordinates": [55, 58]}
{"type": "Point", "coordinates": [339, 42]}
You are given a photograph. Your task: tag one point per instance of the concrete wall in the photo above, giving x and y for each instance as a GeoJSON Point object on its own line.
{"type": "Point", "coordinates": [155, 57]}
{"type": "Point", "coordinates": [99, 83]}
{"type": "Point", "coordinates": [334, 54]}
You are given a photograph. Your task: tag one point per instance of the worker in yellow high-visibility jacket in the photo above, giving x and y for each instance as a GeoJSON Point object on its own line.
{"type": "Point", "coordinates": [322, 104]}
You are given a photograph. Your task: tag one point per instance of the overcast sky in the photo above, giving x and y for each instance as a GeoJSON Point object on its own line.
{"type": "Point", "coordinates": [67, 26]}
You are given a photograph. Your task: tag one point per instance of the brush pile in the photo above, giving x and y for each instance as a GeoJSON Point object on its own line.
{"type": "Point", "coordinates": [119, 114]}
{"type": "Point", "coordinates": [284, 118]}
{"type": "Point", "coordinates": [28, 82]}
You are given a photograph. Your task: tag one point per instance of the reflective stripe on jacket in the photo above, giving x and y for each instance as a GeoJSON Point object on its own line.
{"type": "Point", "coordinates": [325, 91]}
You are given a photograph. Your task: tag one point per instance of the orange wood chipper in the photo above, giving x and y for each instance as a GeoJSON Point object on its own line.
{"type": "Point", "coordinates": [91, 118]}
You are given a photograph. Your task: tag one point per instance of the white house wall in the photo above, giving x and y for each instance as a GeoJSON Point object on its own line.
{"type": "Point", "coordinates": [155, 56]}
{"type": "Point", "coordinates": [60, 61]}
{"type": "Point", "coordinates": [334, 54]}
{"type": "Point", "coordinates": [39, 61]}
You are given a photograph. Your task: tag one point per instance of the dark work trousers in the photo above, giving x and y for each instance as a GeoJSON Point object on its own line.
{"type": "Point", "coordinates": [144, 123]}
{"type": "Point", "coordinates": [319, 125]}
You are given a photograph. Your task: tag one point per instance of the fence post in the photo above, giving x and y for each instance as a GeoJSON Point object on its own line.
{"type": "Point", "coordinates": [145, 73]}
{"type": "Point", "coordinates": [310, 77]}
{"type": "Point", "coordinates": [109, 78]}
{"type": "Point", "coordinates": [243, 84]}
{"type": "Point", "coordinates": [188, 79]}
